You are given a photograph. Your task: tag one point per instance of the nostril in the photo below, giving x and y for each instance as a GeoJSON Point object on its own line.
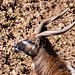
{"type": "Point", "coordinates": [15, 46]}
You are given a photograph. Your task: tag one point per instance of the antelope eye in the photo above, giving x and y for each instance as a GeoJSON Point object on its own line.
{"type": "Point", "coordinates": [31, 42]}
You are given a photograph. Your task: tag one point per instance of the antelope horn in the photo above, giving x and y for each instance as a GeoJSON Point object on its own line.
{"type": "Point", "coordinates": [47, 21]}
{"type": "Point", "coordinates": [49, 33]}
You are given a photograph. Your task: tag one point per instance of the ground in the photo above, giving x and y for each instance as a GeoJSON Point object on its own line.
{"type": "Point", "coordinates": [19, 18]}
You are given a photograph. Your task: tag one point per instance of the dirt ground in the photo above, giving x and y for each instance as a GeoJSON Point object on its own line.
{"type": "Point", "coordinates": [19, 18]}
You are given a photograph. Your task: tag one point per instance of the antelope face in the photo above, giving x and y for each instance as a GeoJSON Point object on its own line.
{"type": "Point", "coordinates": [28, 46]}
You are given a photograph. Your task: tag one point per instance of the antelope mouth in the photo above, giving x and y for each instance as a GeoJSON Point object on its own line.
{"type": "Point", "coordinates": [16, 48]}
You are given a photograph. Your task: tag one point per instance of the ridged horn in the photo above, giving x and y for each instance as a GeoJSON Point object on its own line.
{"type": "Point", "coordinates": [47, 21]}
{"type": "Point", "coordinates": [49, 33]}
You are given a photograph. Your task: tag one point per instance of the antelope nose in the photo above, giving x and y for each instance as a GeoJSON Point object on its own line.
{"type": "Point", "coordinates": [15, 46]}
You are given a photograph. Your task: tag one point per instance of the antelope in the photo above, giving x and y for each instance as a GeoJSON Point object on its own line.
{"type": "Point", "coordinates": [45, 60]}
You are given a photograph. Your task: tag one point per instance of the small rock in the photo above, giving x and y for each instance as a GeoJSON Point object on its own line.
{"type": "Point", "coordinates": [71, 5]}
{"type": "Point", "coordinates": [10, 11]}
{"type": "Point", "coordinates": [64, 42]}
{"type": "Point", "coordinates": [36, 14]}
{"type": "Point", "coordinates": [13, 72]}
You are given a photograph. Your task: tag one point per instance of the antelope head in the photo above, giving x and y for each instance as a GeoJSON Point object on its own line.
{"type": "Point", "coordinates": [30, 46]}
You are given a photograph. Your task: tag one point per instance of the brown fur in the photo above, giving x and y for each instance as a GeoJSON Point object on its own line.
{"type": "Point", "coordinates": [45, 59]}
{"type": "Point", "coordinates": [47, 62]}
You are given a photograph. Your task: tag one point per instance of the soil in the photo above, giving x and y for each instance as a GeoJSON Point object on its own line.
{"type": "Point", "coordinates": [19, 18]}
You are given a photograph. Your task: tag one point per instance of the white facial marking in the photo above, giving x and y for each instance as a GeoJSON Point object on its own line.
{"type": "Point", "coordinates": [33, 66]}
{"type": "Point", "coordinates": [24, 42]}
{"type": "Point", "coordinates": [17, 49]}
{"type": "Point", "coordinates": [22, 52]}
{"type": "Point", "coordinates": [33, 47]}
{"type": "Point", "coordinates": [72, 69]}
